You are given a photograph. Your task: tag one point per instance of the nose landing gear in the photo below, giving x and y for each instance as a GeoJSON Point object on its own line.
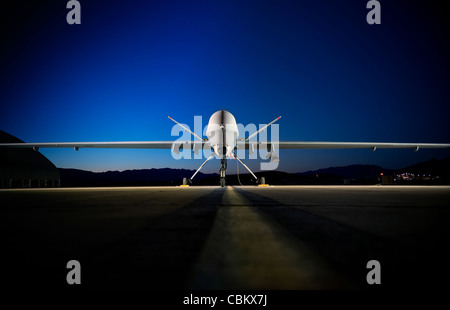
{"type": "Point", "coordinates": [223, 170]}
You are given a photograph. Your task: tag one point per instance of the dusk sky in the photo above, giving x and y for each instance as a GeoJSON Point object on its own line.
{"type": "Point", "coordinates": [318, 64]}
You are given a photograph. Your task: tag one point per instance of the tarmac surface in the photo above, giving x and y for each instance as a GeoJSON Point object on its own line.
{"type": "Point", "coordinates": [276, 237]}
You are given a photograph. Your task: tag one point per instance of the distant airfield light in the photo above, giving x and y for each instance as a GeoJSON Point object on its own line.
{"type": "Point", "coordinates": [381, 173]}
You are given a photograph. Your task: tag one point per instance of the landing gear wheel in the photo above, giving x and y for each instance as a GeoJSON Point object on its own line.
{"type": "Point", "coordinates": [222, 182]}
{"type": "Point", "coordinates": [263, 180]}
{"type": "Point", "coordinates": [185, 181]}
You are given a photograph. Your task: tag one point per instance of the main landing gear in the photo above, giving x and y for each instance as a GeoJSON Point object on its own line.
{"type": "Point", "coordinates": [222, 172]}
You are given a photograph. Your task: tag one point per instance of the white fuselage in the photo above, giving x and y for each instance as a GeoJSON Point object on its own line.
{"type": "Point", "coordinates": [222, 133]}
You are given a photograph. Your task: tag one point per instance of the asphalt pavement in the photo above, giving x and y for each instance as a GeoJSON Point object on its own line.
{"type": "Point", "coordinates": [276, 237]}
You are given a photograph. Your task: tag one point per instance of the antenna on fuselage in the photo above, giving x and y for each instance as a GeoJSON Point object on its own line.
{"type": "Point", "coordinates": [186, 129]}
{"type": "Point", "coordinates": [262, 129]}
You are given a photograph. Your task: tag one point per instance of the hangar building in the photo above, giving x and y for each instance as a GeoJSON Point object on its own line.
{"type": "Point", "coordinates": [25, 167]}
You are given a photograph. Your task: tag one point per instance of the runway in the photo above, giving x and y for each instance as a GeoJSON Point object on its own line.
{"type": "Point", "coordinates": [276, 237]}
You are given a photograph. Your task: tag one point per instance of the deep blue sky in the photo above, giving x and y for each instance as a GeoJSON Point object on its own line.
{"type": "Point", "coordinates": [318, 64]}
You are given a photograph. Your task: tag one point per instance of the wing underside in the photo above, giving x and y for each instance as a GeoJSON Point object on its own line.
{"type": "Point", "coordinates": [197, 145]}
{"type": "Point", "coordinates": [340, 145]}
{"type": "Point", "coordinates": [114, 145]}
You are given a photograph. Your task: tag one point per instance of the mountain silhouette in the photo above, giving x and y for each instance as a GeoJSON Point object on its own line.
{"type": "Point", "coordinates": [163, 176]}
{"type": "Point", "coordinates": [352, 171]}
{"type": "Point", "coordinates": [358, 174]}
